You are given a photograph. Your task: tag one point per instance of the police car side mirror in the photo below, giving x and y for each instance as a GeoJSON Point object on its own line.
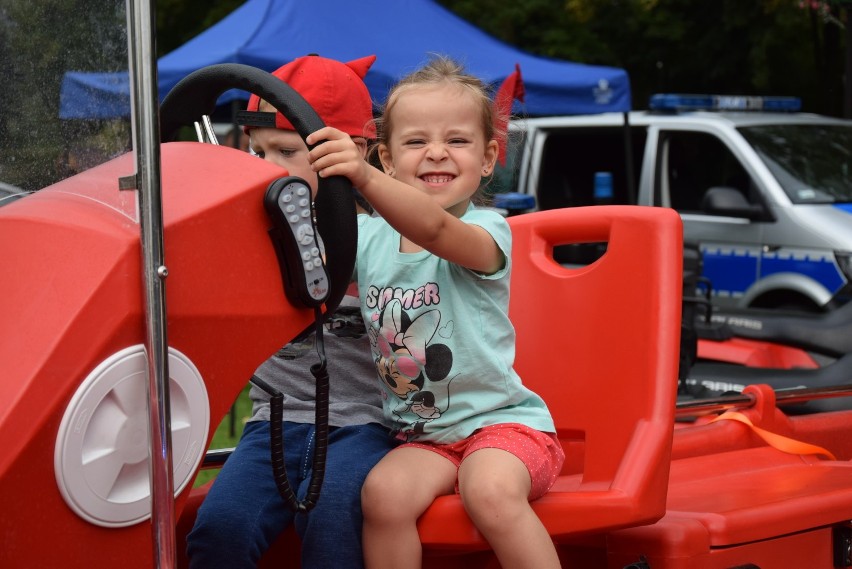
{"type": "Point", "coordinates": [723, 200]}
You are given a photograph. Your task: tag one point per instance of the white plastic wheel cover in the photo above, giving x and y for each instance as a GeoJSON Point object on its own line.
{"type": "Point", "coordinates": [102, 449]}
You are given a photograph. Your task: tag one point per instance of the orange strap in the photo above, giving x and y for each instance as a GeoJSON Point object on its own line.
{"type": "Point", "coordinates": [782, 443]}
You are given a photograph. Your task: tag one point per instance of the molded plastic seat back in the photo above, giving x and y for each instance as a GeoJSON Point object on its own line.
{"type": "Point", "coordinates": [600, 344]}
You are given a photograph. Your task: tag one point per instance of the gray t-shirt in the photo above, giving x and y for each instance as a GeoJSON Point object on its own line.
{"type": "Point", "coordinates": [354, 396]}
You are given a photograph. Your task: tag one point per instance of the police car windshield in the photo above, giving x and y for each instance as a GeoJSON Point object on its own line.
{"type": "Point", "coordinates": [812, 162]}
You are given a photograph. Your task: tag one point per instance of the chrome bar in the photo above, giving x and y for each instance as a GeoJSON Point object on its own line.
{"type": "Point", "coordinates": [215, 458]}
{"type": "Point", "coordinates": [700, 407]}
{"type": "Point", "coordinates": [145, 102]}
{"type": "Point", "coordinates": [204, 131]}
{"type": "Point", "coordinates": [802, 394]}
{"type": "Point", "coordinates": [198, 132]}
{"type": "Point", "coordinates": [782, 396]}
{"type": "Point", "coordinates": [208, 130]}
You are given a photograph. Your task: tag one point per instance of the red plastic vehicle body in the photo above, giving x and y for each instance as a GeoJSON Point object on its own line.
{"type": "Point", "coordinates": [602, 354]}
{"type": "Point", "coordinates": [72, 296]}
{"type": "Point", "coordinates": [733, 501]}
{"type": "Point", "coordinates": [755, 353]}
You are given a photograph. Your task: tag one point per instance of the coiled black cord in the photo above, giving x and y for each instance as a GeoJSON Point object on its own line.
{"type": "Point", "coordinates": [276, 430]}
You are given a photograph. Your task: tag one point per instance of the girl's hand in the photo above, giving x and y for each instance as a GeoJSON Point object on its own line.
{"type": "Point", "coordinates": [337, 155]}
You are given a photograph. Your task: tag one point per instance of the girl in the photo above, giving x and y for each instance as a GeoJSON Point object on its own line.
{"type": "Point", "coordinates": [433, 272]}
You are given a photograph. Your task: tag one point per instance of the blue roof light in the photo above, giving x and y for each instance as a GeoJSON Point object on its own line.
{"type": "Point", "coordinates": [513, 201]}
{"type": "Point", "coordinates": [678, 102]}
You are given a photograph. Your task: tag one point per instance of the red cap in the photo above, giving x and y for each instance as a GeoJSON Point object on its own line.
{"type": "Point", "coordinates": [335, 90]}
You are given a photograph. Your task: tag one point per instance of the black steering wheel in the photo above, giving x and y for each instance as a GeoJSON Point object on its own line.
{"type": "Point", "coordinates": [196, 95]}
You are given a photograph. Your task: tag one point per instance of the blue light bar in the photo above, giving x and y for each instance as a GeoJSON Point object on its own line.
{"type": "Point", "coordinates": [513, 201]}
{"type": "Point", "coordinates": [672, 102]}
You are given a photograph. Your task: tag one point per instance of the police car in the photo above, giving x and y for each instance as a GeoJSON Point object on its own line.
{"type": "Point", "coordinates": [763, 189]}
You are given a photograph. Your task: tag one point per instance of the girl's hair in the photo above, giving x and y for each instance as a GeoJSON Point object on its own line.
{"type": "Point", "coordinates": [442, 70]}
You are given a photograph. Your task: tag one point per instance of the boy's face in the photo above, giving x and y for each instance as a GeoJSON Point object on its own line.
{"type": "Point", "coordinates": [284, 148]}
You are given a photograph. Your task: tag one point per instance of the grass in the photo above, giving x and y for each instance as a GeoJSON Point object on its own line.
{"type": "Point", "coordinates": [228, 432]}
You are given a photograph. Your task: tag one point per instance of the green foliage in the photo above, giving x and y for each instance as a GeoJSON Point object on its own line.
{"type": "Point", "coordinates": [728, 46]}
{"type": "Point", "coordinates": [40, 41]}
{"type": "Point", "coordinates": [786, 47]}
{"type": "Point", "coordinates": [178, 21]}
{"type": "Point", "coordinates": [228, 432]}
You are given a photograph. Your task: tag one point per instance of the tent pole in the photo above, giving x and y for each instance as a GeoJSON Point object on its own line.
{"type": "Point", "coordinates": [144, 102]}
{"type": "Point", "coordinates": [628, 161]}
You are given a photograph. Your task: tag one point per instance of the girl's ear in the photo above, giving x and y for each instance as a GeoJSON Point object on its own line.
{"type": "Point", "coordinates": [386, 159]}
{"type": "Point", "coordinates": [492, 149]}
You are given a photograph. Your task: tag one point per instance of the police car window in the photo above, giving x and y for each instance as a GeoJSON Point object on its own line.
{"type": "Point", "coordinates": [699, 161]}
{"type": "Point", "coordinates": [571, 159]}
{"type": "Point", "coordinates": [812, 162]}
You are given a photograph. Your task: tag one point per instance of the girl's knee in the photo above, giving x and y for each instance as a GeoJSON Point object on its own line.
{"type": "Point", "coordinates": [375, 496]}
{"type": "Point", "coordinates": [494, 498]}
{"type": "Point", "coordinates": [386, 498]}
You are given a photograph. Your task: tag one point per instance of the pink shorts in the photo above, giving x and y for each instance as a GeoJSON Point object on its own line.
{"type": "Point", "coordinates": [540, 452]}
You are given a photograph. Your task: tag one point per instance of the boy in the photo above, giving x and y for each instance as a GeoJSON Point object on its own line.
{"type": "Point", "coordinates": [243, 513]}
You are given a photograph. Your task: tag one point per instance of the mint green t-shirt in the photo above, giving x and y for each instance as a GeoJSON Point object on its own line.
{"type": "Point", "coordinates": [441, 337]}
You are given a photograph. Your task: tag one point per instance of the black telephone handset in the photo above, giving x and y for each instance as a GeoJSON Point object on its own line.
{"type": "Point", "coordinates": [288, 204]}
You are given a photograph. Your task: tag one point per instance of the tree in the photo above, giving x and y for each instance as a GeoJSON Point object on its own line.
{"type": "Point", "coordinates": [786, 47]}
{"type": "Point", "coordinates": [828, 20]}
{"type": "Point", "coordinates": [178, 21]}
{"type": "Point", "coordinates": [729, 46]}
{"type": "Point", "coordinates": [33, 140]}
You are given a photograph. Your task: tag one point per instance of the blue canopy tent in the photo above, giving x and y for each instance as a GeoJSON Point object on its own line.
{"type": "Point", "coordinates": [401, 33]}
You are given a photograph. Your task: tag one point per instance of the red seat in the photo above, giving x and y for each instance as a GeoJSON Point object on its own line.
{"type": "Point", "coordinates": [600, 344]}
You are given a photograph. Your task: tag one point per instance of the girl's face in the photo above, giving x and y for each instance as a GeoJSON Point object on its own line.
{"type": "Point", "coordinates": [284, 148]}
{"type": "Point", "coordinates": [437, 145]}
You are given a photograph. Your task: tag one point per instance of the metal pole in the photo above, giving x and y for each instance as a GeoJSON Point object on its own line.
{"type": "Point", "coordinates": [782, 396]}
{"type": "Point", "coordinates": [628, 161]}
{"type": "Point", "coordinates": [146, 136]}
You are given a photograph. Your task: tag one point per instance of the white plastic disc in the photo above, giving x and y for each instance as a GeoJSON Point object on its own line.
{"type": "Point", "coordinates": [101, 455]}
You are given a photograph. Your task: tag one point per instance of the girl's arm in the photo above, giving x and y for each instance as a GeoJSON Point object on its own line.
{"type": "Point", "coordinates": [416, 216]}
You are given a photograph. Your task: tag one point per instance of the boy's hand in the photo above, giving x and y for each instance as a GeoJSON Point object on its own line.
{"type": "Point", "coordinates": [338, 155]}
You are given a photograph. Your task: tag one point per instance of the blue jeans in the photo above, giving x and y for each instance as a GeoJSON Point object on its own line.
{"type": "Point", "coordinates": [243, 513]}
